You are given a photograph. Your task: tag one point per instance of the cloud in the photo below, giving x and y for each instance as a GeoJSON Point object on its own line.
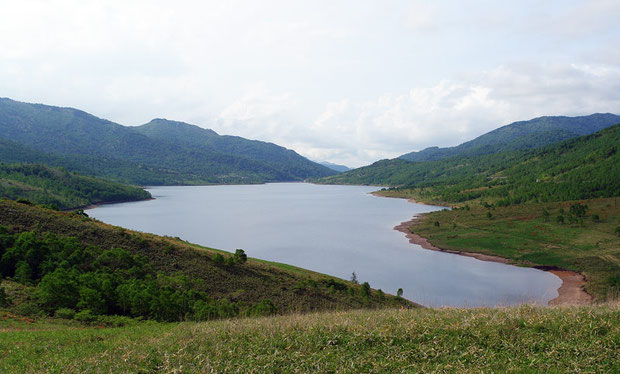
{"type": "Point", "coordinates": [348, 81]}
{"type": "Point", "coordinates": [454, 111]}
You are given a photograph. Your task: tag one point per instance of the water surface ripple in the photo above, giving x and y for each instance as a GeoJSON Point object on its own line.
{"type": "Point", "coordinates": [335, 230]}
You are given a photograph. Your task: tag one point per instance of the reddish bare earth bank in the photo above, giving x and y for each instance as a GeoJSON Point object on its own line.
{"type": "Point", "coordinates": [571, 292]}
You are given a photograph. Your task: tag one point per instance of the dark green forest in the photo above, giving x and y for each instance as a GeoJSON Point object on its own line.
{"type": "Point", "coordinates": [580, 168]}
{"type": "Point", "coordinates": [61, 189]}
{"type": "Point", "coordinates": [160, 152]}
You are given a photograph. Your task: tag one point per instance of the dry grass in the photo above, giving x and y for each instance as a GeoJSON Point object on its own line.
{"type": "Point", "coordinates": [526, 338]}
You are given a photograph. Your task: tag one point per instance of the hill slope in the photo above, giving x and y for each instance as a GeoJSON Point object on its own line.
{"type": "Point", "coordinates": [580, 168]}
{"type": "Point", "coordinates": [43, 185]}
{"type": "Point", "coordinates": [522, 135]}
{"type": "Point", "coordinates": [80, 139]}
{"type": "Point", "coordinates": [336, 167]}
{"type": "Point", "coordinates": [73, 262]}
{"type": "Point", "coordinates": [283, 161]}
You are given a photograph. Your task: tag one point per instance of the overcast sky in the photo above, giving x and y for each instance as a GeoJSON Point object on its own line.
{"type": "Point", "coordinates": [345, 81]}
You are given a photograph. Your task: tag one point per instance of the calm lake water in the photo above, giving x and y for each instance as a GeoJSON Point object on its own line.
{"type": "Point", "coordinates": [335, 230]}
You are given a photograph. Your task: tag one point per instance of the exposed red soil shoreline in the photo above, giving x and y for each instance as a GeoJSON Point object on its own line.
{"type": "Point", "coordinates": [571, 292]}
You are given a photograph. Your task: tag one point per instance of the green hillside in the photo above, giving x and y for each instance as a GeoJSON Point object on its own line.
{"type": "Point", "coordinates": [77, 140]}
{"type": "Point", "coordinates": [580, 168]}
{"type": "Point", "coordinates": [68, 262]}
{"type": "Point", "coordinates": [64, 190]}
{"type": "Point", "coordinates": [281, 160]}
{"type": "Point", "coordinates": [522, 135]}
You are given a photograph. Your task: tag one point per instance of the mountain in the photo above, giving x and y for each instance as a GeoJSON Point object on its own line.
{"type": "Point", "coordinates": [578, 168]}
{"type": "Point", "coordinates": [64, 190]}
{"type": "Point", "coordinates": [336, 167]}
{"type": "Point", "coordinates": [161, 152]}
{"type": "Point", "coordinates": [522, 135]}
{"type": "Point", "coordinates": [280, 159]}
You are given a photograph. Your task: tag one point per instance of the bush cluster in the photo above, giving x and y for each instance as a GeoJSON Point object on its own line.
{"type": "Point", "coordinates": [84, 282]}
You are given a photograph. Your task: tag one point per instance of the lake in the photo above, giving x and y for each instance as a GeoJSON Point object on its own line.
{"type": "Point", "coordinates": [335, 230]}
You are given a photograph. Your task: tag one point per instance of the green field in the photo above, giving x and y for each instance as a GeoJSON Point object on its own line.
{"type": "Point", "coordinates": [524, 234]}
{"type": "Point", "coordinates": [523, 339]}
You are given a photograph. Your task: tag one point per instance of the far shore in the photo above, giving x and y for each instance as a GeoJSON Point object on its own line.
{"type": "Point", "coordinates": [92, 206]}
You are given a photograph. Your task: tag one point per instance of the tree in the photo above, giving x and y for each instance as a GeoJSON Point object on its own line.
{"type": "Point", "coordinates": [399, 293]}
{"type": "Point", "coordinates": [240, 256]}
{"type": "Point", "coordinates": [577, 212]}
{"type": "Point", "coordinates": [354, 278]}
{"type": "Point", "coordinates": [545, 215]}
{"type": "Point", "coordinates": [4, 298]}
{"type": "Point", "coordinates": [366, 289]}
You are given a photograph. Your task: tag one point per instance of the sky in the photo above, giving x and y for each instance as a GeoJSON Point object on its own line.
{"type": "Point", "coordinates": [349, 82]}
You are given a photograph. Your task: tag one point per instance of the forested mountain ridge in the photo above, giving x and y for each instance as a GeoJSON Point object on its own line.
{"type": "Point", "coordinates": [521, 135]}
{"type": "Point", "coordinates": [61, 189]}
{"type": "Point", "coordinates": [198, 139]}
{"type": "Point", "coordinates": [579, 168]}
{"type": "Point", "coordinates": [75, 139]}
{"type": "Point", "coordinates": [339, 168]}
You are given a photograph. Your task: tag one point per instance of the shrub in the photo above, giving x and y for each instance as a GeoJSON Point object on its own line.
{"type": "Point", "coordinates": [437, 224]}
{"type": "Point", "coordinates": [263, 308]}
{"type": "Point", "coordinates": [116, 321]}
{"type": "Point", "coordinates": [240, 256]}
{"type": "Point", "coordinates": [23, 273]}
{"type": "Point", "coordinates": [29, 309]}
{"type": "Point", "coordinates": [230, 261]}
{"type": "Point", "coordinates": [219, 259]}
{"type": "Point", "coordinates": [365, 289]}
{"type": "Point", "coordinates": [85, 316]}
{"type": "Point", "coordinates": [65, 313]}
{"type": "Point", "coordinates": [399, 293]}
{"type": "Point", "coordinates": [4, 298]}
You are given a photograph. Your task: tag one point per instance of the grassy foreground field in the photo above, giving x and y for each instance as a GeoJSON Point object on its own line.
{"type": "Point", "coordinates": [526, 338]}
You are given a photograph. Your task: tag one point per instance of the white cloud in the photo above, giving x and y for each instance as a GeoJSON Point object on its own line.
{"type": "Point", "coordinates": [455, 111]}
{"type": "Point", "coordinates": [346, 81]}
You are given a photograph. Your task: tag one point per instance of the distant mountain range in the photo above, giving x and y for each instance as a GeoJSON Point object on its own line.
{"type": "Point", "coordinates": [522, 135]}
{"type": "Point", "coordinates": [581, 167]}
{"type": "Point", "coordinates": [159, 152]}
{"type": "Point", "coordinates": [336, 167]}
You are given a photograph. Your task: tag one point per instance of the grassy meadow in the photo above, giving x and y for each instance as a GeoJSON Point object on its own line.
{"type": "Point", "coordinates": [524, 339]}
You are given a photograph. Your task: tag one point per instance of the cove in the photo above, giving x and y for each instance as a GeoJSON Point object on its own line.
{"type": "Point", "coordinates": [335, 230]}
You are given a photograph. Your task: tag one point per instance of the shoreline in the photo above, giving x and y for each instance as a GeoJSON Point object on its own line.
{"type": "Point", "coordinates": [571, 291]}
{"type": "Point", "coordinates": [92, 206]}
{"type": "Point", "coordinates": [411, 200]}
